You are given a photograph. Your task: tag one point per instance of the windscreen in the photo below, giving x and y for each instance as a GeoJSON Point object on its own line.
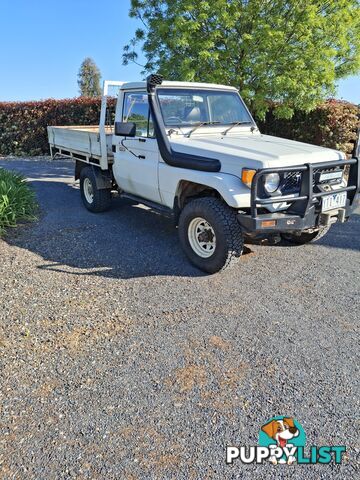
{"type": "Point", "coordinates": [186, 107]}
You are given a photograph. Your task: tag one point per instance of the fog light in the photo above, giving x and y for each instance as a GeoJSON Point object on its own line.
{"type": "Point", "coordinates": [268, 223]}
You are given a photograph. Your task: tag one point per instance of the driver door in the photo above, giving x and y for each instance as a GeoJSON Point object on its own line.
{"type": "Point", "coordinates": [137, 158]}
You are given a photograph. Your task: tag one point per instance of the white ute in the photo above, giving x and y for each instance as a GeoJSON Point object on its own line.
{"type": "Point", "coordinates": [194, 150]}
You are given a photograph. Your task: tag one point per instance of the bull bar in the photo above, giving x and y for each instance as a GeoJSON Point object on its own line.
{"type": "Point", "coordinates": [304, 211]}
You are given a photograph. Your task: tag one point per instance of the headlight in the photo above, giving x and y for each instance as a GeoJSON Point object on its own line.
{"type": "Point", "coordinates": [271, 182]}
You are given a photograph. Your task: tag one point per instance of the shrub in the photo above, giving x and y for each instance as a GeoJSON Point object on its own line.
{"type": "Point", "coordinates": [17, 200]}
{"type": "Point", "coordinates": [333, 124]}
{"type": "Point", "coordinates": [23, 124]}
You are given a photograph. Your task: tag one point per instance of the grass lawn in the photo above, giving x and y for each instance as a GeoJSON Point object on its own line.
{"type": "Point", "coordinates": [17, 200]}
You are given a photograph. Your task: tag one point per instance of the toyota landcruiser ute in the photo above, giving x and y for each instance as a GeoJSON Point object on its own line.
{"type": "Point", "coordinates": [193, 150]}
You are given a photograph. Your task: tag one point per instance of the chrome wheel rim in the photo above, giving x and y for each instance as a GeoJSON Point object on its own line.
{"type": "Point", "coordinates": [88, 190]}
{"type": "Point", "coordinates": [202, 237]}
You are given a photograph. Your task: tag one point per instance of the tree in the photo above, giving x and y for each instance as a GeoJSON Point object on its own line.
{"type": "Point", "coordinates": [89, 79]}
{"type": "Point", "coordinates": [291, 52]}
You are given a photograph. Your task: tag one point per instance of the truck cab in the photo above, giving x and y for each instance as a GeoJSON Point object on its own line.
{"type": "Point", "coordinates": [193, 150]}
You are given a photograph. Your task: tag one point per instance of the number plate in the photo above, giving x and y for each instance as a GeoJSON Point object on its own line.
{"type": "Point", "coordinates": [333, 201]}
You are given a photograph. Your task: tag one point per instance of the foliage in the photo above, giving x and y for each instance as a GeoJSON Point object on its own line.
{"type": "Point", "coordinates": [23, 124]}
{"type": "Point", "coordinates": [17, 200]}
{"type": "Point", "coordinates": [288, 51]}
{"type": "Point", "coordinates": [89, 79]}
{"type": "Point", "coordinates": [332, 124]}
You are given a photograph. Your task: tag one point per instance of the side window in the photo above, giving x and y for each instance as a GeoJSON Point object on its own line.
{"type": "Point", "coordinates": [136, 109]}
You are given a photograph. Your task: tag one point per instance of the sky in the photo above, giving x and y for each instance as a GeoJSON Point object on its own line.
{"type": "Point", "coordinates": [43, 42]}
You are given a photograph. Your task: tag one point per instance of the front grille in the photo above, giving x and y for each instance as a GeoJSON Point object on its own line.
{"type": "Point", "coordinates": [318, 171]}
{"type": "Point", "coordinates": [291, 181]}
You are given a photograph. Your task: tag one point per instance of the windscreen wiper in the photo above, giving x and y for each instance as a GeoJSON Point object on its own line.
{"type": "Point", "coordinates": [200, 125]}
{"type": "Point", "coordinates": [235, 124]}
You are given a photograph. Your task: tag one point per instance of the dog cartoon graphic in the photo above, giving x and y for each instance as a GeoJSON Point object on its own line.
{"type": "Point", "coordinates": [281, 431]}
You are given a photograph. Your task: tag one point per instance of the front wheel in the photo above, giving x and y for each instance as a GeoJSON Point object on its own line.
{"type": "Point", "coordinates": [302, 238]}
{"type": "Point", "coordinates": [210, 234]}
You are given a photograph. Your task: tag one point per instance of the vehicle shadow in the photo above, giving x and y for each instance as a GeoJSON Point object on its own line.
{"type": "Point", "coordinates": [344, 235]}
{"type": "Point", "coordinates": [341, 235]}
{"type": "Point", "coordinates": [125, 242]}
{"type": "Point", "coordinates": [128, 241]}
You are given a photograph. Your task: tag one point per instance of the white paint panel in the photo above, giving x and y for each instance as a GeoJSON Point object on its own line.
{"type": "Point", "coordinates": [84, 139]}
{"type": "Point", "coordinates": [230, 187]}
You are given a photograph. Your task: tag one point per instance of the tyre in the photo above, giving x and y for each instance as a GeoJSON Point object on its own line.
{"type": "Point", "coordinates": [210, 234]}
{"type": "Point", "coordinates": [96, 200]}
{"type": "Point", "coordinates": [304, 237]}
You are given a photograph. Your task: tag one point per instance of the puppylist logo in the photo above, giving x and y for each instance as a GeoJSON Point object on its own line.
{"type": "Point", "coordinates": [282, 441]}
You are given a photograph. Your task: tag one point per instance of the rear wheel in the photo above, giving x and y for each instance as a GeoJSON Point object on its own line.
{"type": "Point", "coordinates": [210, 235]}
{"type": "Point", "coordinates": [96, 200]}
{"type": "Point", "coordinates": [304, 237]}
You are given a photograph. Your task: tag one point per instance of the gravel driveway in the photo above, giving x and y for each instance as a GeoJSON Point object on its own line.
{"type": "Point", "coordinates": [119, 360]}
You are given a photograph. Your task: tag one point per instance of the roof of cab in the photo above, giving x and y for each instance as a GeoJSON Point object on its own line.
{"type": "Point", "coordinates": [136, 85]}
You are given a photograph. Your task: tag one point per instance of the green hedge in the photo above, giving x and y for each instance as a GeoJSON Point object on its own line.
{"type": "Point", "coordinates": [333, 124]}
{"type": "Point", "coordinates": [23, 124]}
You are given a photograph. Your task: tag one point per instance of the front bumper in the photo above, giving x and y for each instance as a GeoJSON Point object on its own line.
{"type": "Point", "coordinates": [304, 211]}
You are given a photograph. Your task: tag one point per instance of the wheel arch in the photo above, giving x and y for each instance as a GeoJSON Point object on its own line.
{"type": "Point", "coordinates": [188, 190]}
{"type": "Point", "coordinates": [223, 186]}
{"type": "Point", "coordinates": [103, 178]}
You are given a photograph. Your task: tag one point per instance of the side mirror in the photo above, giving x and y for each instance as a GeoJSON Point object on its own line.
{"type": "Point", "coordinates": [125, 129]}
